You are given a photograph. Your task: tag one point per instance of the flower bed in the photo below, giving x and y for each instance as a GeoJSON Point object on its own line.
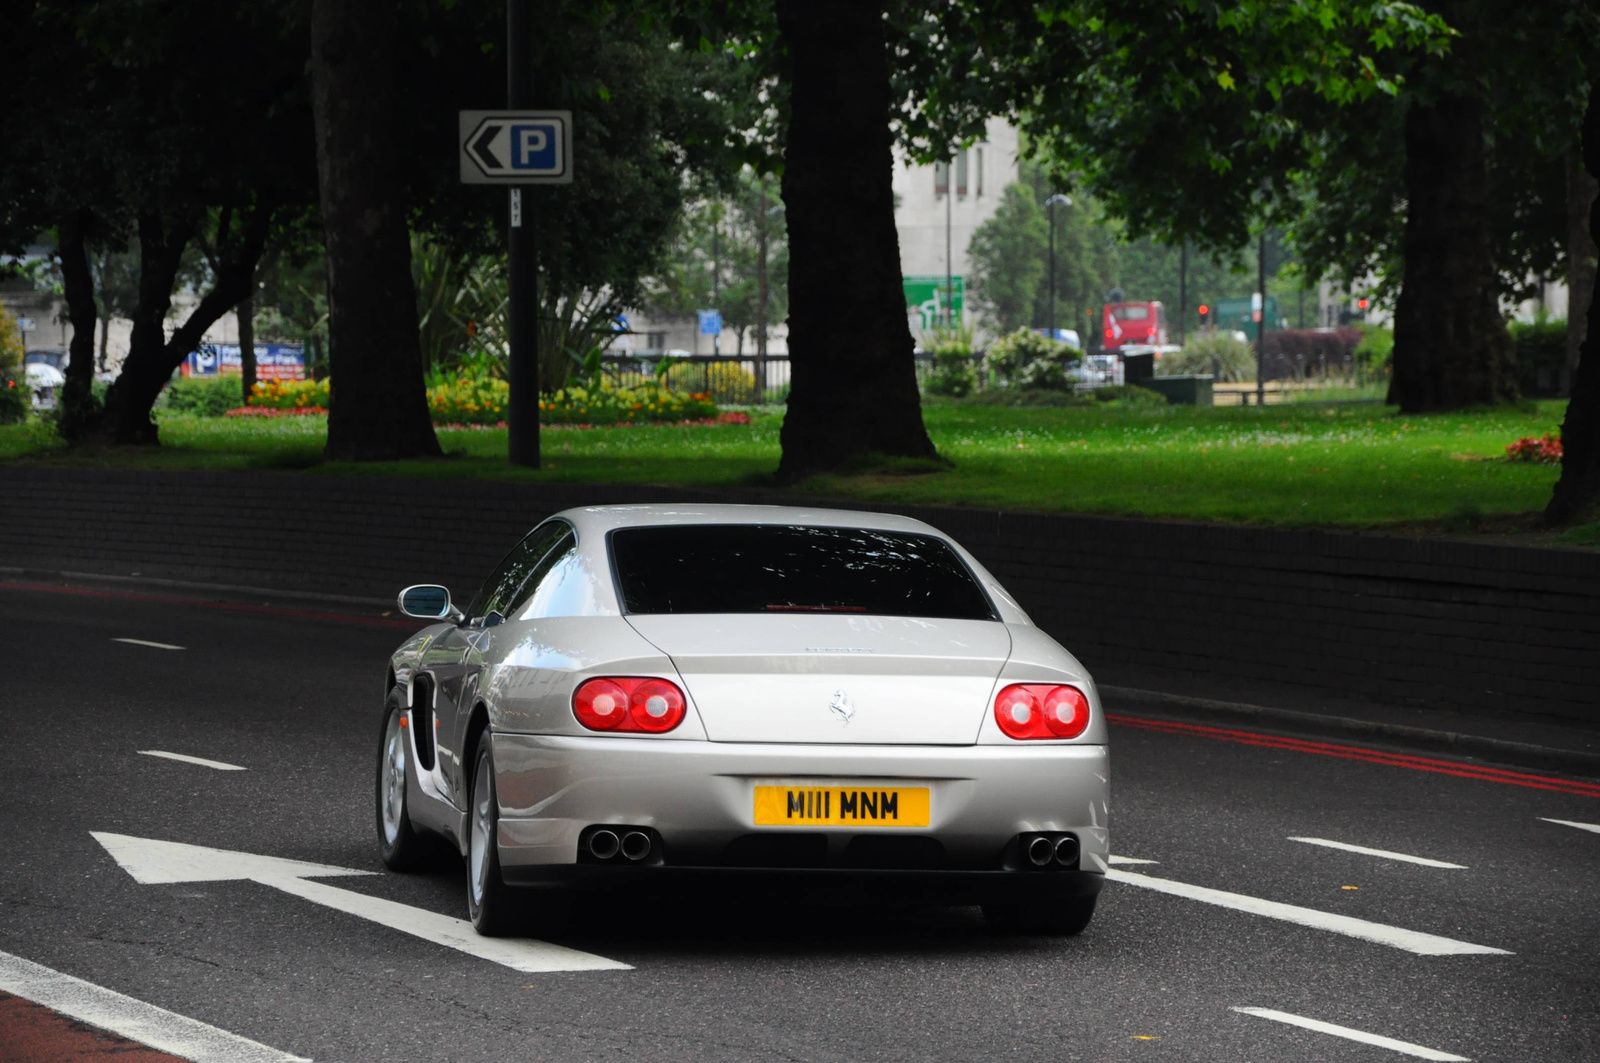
{"type": "Point", "coordinates": [289, 395]}
{"type": "Point", "coordinates": [274, 411]}
{"type": "Point", "coordinates": [1545, 449]}
{"type": "Point", "coordinates": [603, 405]}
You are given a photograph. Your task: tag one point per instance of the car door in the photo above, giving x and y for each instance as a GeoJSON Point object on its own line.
{"type": "Point", "coordinates": [457, 659]}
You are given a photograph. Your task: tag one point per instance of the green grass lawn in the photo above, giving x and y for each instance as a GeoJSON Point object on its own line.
{"type": "Point", "coordinates": [1357, 465]}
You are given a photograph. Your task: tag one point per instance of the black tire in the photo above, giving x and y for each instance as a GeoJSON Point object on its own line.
{"type": "Point", "coordinates": [489, 901]}
{"type": "Point", "coordinates": [1066, 918]}
{"type": "Point", "coordinates": [400, 845]}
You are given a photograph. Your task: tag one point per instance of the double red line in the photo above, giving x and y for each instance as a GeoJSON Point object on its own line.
{"type": "Point", "coordinates": [1371, 756]}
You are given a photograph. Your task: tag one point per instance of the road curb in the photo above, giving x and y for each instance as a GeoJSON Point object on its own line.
{"type": "Point", "coordinates": [1520, 754]}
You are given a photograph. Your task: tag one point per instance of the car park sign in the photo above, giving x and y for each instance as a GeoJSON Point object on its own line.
{"type": "Point", "coordinates": [515, 147]}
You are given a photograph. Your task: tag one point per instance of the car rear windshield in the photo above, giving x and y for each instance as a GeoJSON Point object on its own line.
{"type": "Point", "coordinates": [765, 568]}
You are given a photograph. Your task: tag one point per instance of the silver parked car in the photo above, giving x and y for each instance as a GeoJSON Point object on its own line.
{"type": "Point", "coordinates": [649, 695]}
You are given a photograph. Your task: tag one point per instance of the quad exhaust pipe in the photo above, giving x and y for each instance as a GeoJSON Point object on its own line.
{"type": "Point", "coordinates": [1050, 849]}
{"type": "Point", "coordinates": [607, 843]}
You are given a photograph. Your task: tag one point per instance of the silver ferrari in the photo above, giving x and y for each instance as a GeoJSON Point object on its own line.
{"type": "Point", "coordinates": [787, 698]}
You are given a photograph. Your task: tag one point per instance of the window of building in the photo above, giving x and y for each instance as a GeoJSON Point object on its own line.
{"type": "Point", "coordinates": [961, 175]}
{"type": "Point", "coordinates": [941, 178]}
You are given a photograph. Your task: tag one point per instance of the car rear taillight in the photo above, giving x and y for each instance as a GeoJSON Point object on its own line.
{"type": "Point", "coordinates": [1041, 710]}
{"type": "Point", "coordinates": [628, 703]}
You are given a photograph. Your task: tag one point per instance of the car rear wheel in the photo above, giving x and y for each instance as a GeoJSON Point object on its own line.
{"type": "Point", "coordinates": [489, 904]}
{"type": "Point", "coordinates": [400, 845]}
{"type": "Point", "coordinates": [1064, 918]}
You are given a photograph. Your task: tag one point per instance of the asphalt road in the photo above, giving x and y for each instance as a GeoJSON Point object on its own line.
{"type": "Point", "coordinates": [294, 699]}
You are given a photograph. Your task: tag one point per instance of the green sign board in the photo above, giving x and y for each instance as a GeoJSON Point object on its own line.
{"type": "Point", "coordinates": [926, 301]}
{"type": "Point", "coordinates": [1236, 315]}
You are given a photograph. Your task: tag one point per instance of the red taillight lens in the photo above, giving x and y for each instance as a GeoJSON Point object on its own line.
{"type": "Point", "coordinates": [628, 703]}
{"type": "Point", "coordinates": [1041, 710]}
{"type": "Point", "coordinates": [655, 706]}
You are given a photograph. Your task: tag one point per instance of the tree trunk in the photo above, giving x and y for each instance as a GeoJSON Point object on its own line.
{"type": "Point", "coordinates": [246, 311]}
{"type": "Point", "coordinates": [1581, 253]}
{"type": "Point", "coordinates": [1451, 348]}
{"type": "Point", "coordinates": [854, 384]}
{"type": "Point", "coordinates": [1576, 499]}
{"type": "Point", "coordinates": [77, 282]}
{"type": "Point", "coordinates": [152, 357]}
{"type": "Point", "coordinates": [379, 407]}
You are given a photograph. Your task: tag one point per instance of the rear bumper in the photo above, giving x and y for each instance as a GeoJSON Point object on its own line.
{"type": "Point", "coordinates": [699, 797]}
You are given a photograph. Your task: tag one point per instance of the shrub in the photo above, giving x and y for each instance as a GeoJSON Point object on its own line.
{"type": "Point", "coordinates": [606, 404]}
{"type": "Point", "coordinates": [14, 398]}
{"type": "Point", "coordinates": [1541, 351]}
{"type": "Point", "coordinates": [723, 381]}
{"type": "Point", "coordinates": [1129, 395]}
{"type": "Point", "coordinates": [478, 399]}
{"type": "Point", "coordinates": [1375, 351]}
{"type": "Point", "coordinates": [205, 396]}
{"type": "Point", "coordinates": [1294, 354]}
{"type": "Point", "coordinates": [1545, 449]}
{"type": "Point", "coordinates": [11, 346]}
{"type": "Point", "coordinates": [1025, 359]}
{"type": "Point", "coordinates": [290, 394]}
{"type": "Point", "coordinates": [1211, 350]}
{"type": "Point", "coordinates": [953, 372]}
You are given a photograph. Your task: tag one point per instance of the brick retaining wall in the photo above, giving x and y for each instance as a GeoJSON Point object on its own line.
{"type": "Point", "coordinates": [1492, 629]}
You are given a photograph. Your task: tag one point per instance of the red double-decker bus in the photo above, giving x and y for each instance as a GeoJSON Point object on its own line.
{"type": "Point", "coordinates": [1123, 324]}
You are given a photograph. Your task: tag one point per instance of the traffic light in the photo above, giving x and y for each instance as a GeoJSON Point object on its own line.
{"type": "Point", "coordinates": [1361, 308]}
{"type": "Point", "coordinates": [1205, 313]}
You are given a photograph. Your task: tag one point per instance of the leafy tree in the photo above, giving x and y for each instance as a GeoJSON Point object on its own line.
{"type": "Point", "coordinates": [1577, 493]}
{"type": "Point", "coordinates": [1008, 254]}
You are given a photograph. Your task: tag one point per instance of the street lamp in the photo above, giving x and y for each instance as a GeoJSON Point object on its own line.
{"type": "Point", "coordinates": [1050, 205]}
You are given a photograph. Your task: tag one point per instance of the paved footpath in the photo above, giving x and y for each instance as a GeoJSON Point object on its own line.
{"type": "Point", "coordinates": [188, 864]}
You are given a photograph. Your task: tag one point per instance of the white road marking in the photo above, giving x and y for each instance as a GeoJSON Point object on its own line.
{"type": "Point", "coordinates": [150, 861]}
{"type": "Point", "coordinates": [1393, 936]}
{"type": "Point", "coordinates": [1569, 823]}
{"type": "Point", "coordinates": [1114, 860]}
{"type": "Point", "coordinates": [1365, 1038]}
{"type": "Point", "coordinates": [147, 642]}
{"type": "Point", "coordinates": [106, 1009]}
{"type": "Point", "coordinates": [1385, 853]}
{"type": "Point", "coordinates": [202, 761]}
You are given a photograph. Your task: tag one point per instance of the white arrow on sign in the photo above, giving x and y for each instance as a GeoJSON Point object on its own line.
{"type": "Point", "coordinates": [151, 861]}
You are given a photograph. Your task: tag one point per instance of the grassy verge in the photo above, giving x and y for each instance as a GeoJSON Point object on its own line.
{"type": "Point", "coordinates": [1356, 465]}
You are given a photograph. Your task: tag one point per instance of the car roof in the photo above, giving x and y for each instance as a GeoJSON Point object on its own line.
{"type": "Point", "coordinates": [606, 518]}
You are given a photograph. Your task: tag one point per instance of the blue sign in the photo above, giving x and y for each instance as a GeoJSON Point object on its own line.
{"type": "Point", "coordinates": [711, 322]}
{"type": "Point", "coordinates": [621, 324]}
{"type": "Point", "coordinates": [533, 146]}
{"type": "Point", "coordinates": [274, 361]}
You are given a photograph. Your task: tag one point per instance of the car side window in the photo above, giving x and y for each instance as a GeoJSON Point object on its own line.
{"type": "Point", "coordinates": [564, 547]}
{"type": "Point", "coordinates": [567, 589]}
{"type": "Point", "coordinates": [502, 590]}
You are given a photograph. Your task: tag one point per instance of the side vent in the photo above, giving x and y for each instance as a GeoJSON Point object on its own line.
{"type": "Point", "coordinates": [422, 719]}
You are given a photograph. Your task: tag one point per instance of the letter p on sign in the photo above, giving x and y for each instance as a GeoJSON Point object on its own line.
{"type": "Point", "coordinates": [533, 147]}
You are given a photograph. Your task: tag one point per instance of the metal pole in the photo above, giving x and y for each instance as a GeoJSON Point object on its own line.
{"type": "Point", "coordinates": [1183, 290]}
{"type": "Point", "coordinates": [949, 265]}
{"type": "Point", "coordinates": [716, 278]}
{"type": "Point", "coordinates": [763, 219]}
{"type": "Point", "coordinates": [522, 308]}
{"type": "Point", "coordinates": [1261, 326]}
{"type": "Point", "coordinates": [1052, 212]}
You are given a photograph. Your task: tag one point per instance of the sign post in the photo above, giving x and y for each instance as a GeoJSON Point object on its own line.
{"type": "Point", "coordinates": [518, 147]}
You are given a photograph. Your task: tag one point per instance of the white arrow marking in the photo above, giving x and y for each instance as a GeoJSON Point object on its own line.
{"type": "Point", "coordinates": [1405, 1047]}
{"type": "Point", "coordinates": [1393, 936]}
{"type": "Point", "coordinates": [1384, 853]}
{"type": "Point", "coordinates": [202, 761]}
{"type": "Point", "coordinates": [150, 861]}
{"type": "Point", "coordinates": [107, 1009]}
{"type": "Point", "coordinates": [1595, 827]}
{"type": "Point", "coordinates": [147, 642]}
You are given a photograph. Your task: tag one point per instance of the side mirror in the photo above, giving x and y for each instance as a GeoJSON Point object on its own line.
{"type": "Point", "coordinates": [428, 601]}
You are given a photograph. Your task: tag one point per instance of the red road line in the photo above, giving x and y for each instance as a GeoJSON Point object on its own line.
{"type": "Point", "coordinates": [33, 1032]}
{"type": "Point", "coordinates": [231, 607]}
{"type": "Point", "coordinates": [1372, 756]}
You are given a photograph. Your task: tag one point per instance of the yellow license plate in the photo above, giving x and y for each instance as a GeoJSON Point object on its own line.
{"type": "Point", "coordinates": [842, 806]}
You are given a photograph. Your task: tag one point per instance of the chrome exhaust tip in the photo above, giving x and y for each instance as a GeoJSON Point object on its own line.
{"type": "Point", "coordinates": [1041, 852]}
{"type": "Point", "coordinates": [636, 845]}
{"type": "Point", "coordinates": [603, 844]}
{"type": "Point", "coordinates": [1067, 851]}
